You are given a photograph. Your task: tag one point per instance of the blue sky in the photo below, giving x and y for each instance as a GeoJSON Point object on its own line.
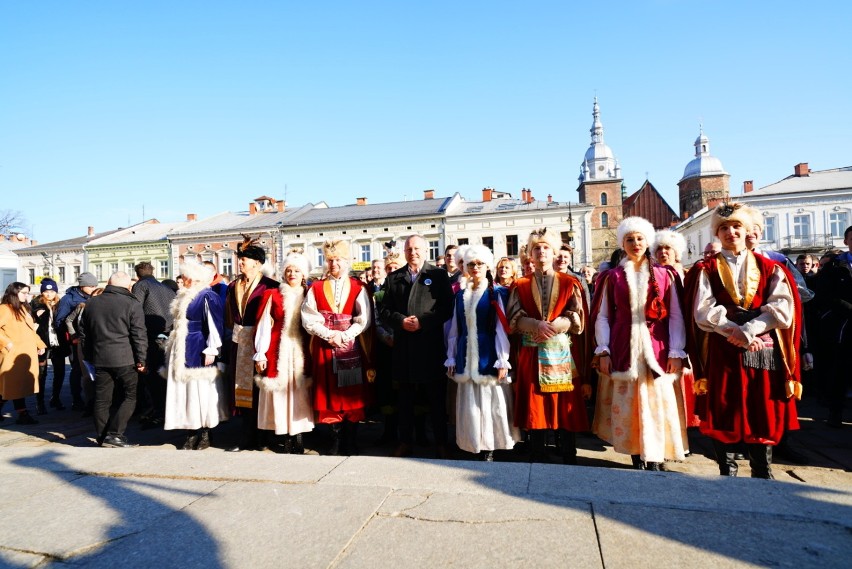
{"type": "Point", "coordinates": [107, 108]}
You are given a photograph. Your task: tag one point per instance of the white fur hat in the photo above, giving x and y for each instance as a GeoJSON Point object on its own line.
{"type": "Point", "coordinates": [458, 256]}
{"type": "Point", "coordinates": [635, 224]}
{"type": "Point", "coordinates": [671, 239]}
{"type": "Point", "coordinates": [756, 216]}
{"type": "Point", "coordinates": [479, 253]}
{"type": "Point", "coordinates": [549, 236]}
{"type": "Point", "coordinates": [196, 272]}
{"type": "Point", "coordinates": [298, 260]}
{"type": "Point", "coordinates": [732, 211]}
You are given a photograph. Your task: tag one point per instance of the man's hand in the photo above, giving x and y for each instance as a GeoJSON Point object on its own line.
{"type": "Point", "coordinates": [756, 345]}
{"type": "Point", "coordinates": [140, 367]}
{"type": "Point", "coordinates": [544, 331]}
{"type": "Point", "coordinates": [738, 338]}
{"type": "Point", "coordinates": [410, 324]}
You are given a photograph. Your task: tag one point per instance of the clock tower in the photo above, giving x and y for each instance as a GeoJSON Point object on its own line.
{"type": "Point", "coordinates": [704, 179]}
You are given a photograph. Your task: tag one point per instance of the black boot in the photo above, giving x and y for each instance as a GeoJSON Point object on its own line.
{"type": "Point", "coordinates": [656, 466]}
{"type": "Point", "coordinates": [487, 456]}
{"type": "Point", "coordinates": [190, 441]}
{"type": "Point", "coordinates": [568, 446]}
{"type": "Point", "coordinates": [760, 461]}
{"type": "Point", "coordinates": [334, 449]}
{"type": "Point", "coordinates": [538, 449]}
{"type": "Point", "coordinates": [351, 432]}
{"type": "Point", "coordinates": [297, 445]}
{"type": "Point", "coordinates": [638, 463]}
{"type": "Point", "coordinates": [203, 439]}
{"type": "Point", "coordinates": [725, 459]}
{"type": "Point", "coordinates": [41, 409]}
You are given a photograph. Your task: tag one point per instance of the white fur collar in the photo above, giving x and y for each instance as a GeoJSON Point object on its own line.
{"type": "Point", "coordinates": [176, 345]}
{"type": "Point", "coordinates": [471, 298]}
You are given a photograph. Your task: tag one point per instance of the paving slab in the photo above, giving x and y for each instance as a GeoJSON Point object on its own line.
{"type": "Point", "coordinates": [439, 475]}
{"type": "Point", "coordinates": [90, 511]}
{"type": "Point", "coordinates": [643, 536]}
{"type": "Point", "coordinates": [250, 525]}
{"type": "Point", "coordinates": [20, 559]}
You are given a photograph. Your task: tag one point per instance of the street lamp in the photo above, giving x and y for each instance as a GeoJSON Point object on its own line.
{"type": "Point", "coordinates": [571, 234]}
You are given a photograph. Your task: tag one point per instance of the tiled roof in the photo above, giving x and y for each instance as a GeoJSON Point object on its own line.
{"type": "Point", "coordinates": [73, 243]}
{"type": "Point", "coordinates": [817, 180]}
{"type": "Point", "coordinates": [414, 208]}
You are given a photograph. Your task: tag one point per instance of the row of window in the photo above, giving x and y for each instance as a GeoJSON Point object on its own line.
{"type": "Point", "coordinates": [802, 226]}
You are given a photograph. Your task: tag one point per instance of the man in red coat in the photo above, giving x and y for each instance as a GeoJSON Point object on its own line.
{"type": "Point", "coordinates": [337, 312]}
{"type": "Point", "coordinates": [743, 313]}
{"type": "Point", "coordinates": [547, 310]}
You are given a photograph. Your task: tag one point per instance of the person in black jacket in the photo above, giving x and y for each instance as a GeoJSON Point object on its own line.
{"type": "Point", "coordinates": [156, 299]}
{"type": "Point", "coordinates": [418, 300]}
{"type": "Point", "coordinates": [43, 308]}
{"type": "Point", "coordinates": [87, 282]}
{"type": "Point", "coordinates": [114, 340]}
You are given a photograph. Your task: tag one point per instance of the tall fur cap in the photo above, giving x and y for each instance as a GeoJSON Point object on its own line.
{"type": "Point", "coordinates": [671, 239]}
{"type": "Point", "coordinates": [196, 271]}
{"type": "Point", "coordinates": [298, 260]}
{"type": "Point", "coordinates": [479, 253]}
{"type": "Point", "coordinates": [549, 236]}
{"type": "Point", "coordinates": [731, 211]}
{"type": "Point", "coordinates": [635, 224]}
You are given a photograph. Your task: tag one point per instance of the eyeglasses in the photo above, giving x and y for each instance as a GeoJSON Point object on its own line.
{"type": "Point", "coordinates": [475, 264]}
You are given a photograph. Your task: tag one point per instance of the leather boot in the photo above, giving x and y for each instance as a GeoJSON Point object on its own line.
{"type": "Point", "coordinates": [203, 439]}
{"type": "Point", "coordinates": [760, 461]}
{"type": "Point", "coordinates": [538, 449]}
{"type": "Point", "coordinates": [190, 441]}
{"type": "Point", "coordinates": [638, 463]}
{"type": "Point", "coordinates": [568, 446]}
{"type": "Point", "coordinates": [334, 449]}
{"type": "Point", "coordinates": [487, 456]}
{"type": "Point", "coordinates": [725, 459]}
{"type": "Point", "coordinates": [351, 431]}
{"type": "Point", "coordinates": [297, 445]}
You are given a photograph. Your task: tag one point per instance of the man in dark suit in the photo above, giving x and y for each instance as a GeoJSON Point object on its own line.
{"type": "Point", "coordinates": [418, 300]}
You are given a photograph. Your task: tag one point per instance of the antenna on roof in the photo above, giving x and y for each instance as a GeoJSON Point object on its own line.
{"type": "Point", "coordinates": [285, 193]}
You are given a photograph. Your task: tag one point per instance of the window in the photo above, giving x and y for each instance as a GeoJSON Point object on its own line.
{"type": "Point", "coordinates": [838, 222]}
{"type": "Point", "coordinates": [32, 275]}
{"type": "Point", "coordinates": [366, 254]}
{"type": "Point", "coordinates": [463, 241]}
{"type": "Point", "coordinates": [128, 268]}
{"type": "Point", "coordinates": [61, 275]}
{"type": "Point", "coordinates": [227, 267]}
{"type": "Point", "coordinates": [604, 219]}
{"type": "Point", "coordinates": [488, 242]}
{"type": "Point", "coordinates": [113, 268]}
{"type": "Point", "coordinates": [320, 257]}
{"type": "Point", "coordinates": [434, 250]}
{"type": "Point", "coordinates": [164, 269]}
{"type": "Point", "coordinates": [566, 238]}
{"type": "Point", "coordinates": [603, 198]}
{"type": "Point", "coordinates": [769, 233]}
{"type": "Point", "coordinates": [512, 245]}
{"type": "Point", "coordinates": [99, 272]}
{"type": "Point", "coordinates": [801, 226]}
{"type": "Point", "coordinates": [76, 272]}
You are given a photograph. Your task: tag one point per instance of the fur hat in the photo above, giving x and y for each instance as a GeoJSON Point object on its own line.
{"type": "Point", "coordinates": [731, 211]}
{"type": "Point", "coordinates": [197, 272]}
{"type": "Point", "coordinates": [549, 236]}
{"type": "Point", "coordinates": [295, 258]}
{"type": "Point", "coordinates": [336, 248]}
{"type": "Point", "coordinates": [458, 256]}
{"type": "Point", "coordinates": [671, 239]}
{"type": "Point", "coordinates": [478, 253]}
{"type": "Point", "coordinates": [635, 224]}
{"type": "Point", "coordinates": [756, 216]}
{"type": "Point", "coordinates": [392, 253]}
{"type": "Point", "coordinates": [250, 250]}
{"type": "Point", "coordinates": [49, 284]}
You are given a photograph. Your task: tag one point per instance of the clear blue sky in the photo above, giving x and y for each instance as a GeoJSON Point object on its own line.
{"type": "Point", "coordinates": [200, 106]}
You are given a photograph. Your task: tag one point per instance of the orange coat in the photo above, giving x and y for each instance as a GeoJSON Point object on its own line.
{"type": "Point", "coordinates": [18, 366]}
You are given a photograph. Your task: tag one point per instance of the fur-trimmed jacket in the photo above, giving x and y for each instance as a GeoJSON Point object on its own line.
{"type": "Point", "coordinates": [197, 315]}
{"type": "Point", "coordinates": [281, 341]}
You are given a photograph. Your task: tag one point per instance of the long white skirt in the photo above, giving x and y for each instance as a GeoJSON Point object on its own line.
{"type": "Point", "coordinates": [484, 417]}
{"type": "Point", "coordinates": [195, 404]}
{"type": "Point", "coordinates": [287, 412]}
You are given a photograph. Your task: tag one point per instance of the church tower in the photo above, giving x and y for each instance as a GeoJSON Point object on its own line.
{"type": "Point", "coordinates": [601, 186]}
{"type": "Point", "coordinates": [704, 179]}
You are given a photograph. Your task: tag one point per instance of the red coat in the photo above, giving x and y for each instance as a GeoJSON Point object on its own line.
{"type": "Point", "coordinates": [533, 408]}
{"type": "Point", "coordinates": [742, 403]}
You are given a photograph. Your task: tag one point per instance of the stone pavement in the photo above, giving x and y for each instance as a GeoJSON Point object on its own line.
{"type": "Point", "coordinates": [66, 502]}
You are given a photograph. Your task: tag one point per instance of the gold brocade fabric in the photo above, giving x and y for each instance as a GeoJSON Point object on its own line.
{"type": "Point", "coordinates": [729, 281]}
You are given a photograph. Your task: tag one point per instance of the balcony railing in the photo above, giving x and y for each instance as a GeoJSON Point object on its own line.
{"type": "Point", "coordinates": [807, 242]}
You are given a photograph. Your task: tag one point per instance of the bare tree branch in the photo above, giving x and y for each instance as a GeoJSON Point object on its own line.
{"type": "Point", "coordinates": [11, 221]}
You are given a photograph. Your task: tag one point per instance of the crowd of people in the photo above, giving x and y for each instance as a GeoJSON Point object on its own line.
{"type": "Point", "coordinates": [499, 354]}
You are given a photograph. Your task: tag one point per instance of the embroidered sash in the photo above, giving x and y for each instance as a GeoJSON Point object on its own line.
{"type": "Point", "coordinates": [555, 363]}
{"type": "Point", "coordinates": [346, 361]}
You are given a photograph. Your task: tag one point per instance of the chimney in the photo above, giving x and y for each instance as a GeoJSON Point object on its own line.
{"type": "Point", "coordinates": [428, 194]}
{"type": "Point", "coordinates": [801, 169]}
{"type": "Point", "coordinates": [748, 186]}
{"type": "Point", "coordinates": [252, 208]}
{"type": "Point", "coordinates": [524, 195]}
{"type": "Point", "coordinates": [191, 217]}
{"type": "Point", "coordinates": [713, 202]}
{"type": "Point", "coordinates": [549, 198]}
{"type": "Point", "coordinates": [281, 205]}
{"type": "Point", "coordinates": [361, 201]}
{"type": "Point", "coordinates": [685, 215]}
{"type": "Point", "coordinates": [486, 194]}
{"type": "Point", "coordinates": [91, 231]}
{"type": "Point", "coordinates": [530, 197]}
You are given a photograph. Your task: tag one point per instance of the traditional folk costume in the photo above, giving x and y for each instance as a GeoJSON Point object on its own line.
{"type": "Point", "coordinates": [241, 310]}
{"type": "Point", "coordinates": [284, 398]}
{"type": "Point", "coordinates": [749, 395]}
{"type": "Point", "coordinates": [638, 321]}
{"type": "Point", "coordinates": [549, 374]}
{"type": "Point", "coordinates": [333, 306]}
{"type": "Point", "coordinates": [478, 345]}
{"type": "Point", "coordinates": [195, 393]}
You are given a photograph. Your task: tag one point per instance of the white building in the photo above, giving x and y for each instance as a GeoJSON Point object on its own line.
{"type": "Point", "coordinates": [503, 224]}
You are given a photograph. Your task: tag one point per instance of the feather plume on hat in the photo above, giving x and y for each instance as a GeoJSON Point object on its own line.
{"type": "Point", "coordinates": [549, 236]}
{"type": "Point", "coordinates": [731, 212]}
{"type": "Point", "coordinates": [250, 249]}
{"type": "Point", "coordinates": [336, 249]}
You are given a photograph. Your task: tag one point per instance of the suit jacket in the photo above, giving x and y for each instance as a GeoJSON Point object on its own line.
{"type": "Point", "coordinates": [417, 357]}
{"type": "Point", "coordinates": [834, 296]}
